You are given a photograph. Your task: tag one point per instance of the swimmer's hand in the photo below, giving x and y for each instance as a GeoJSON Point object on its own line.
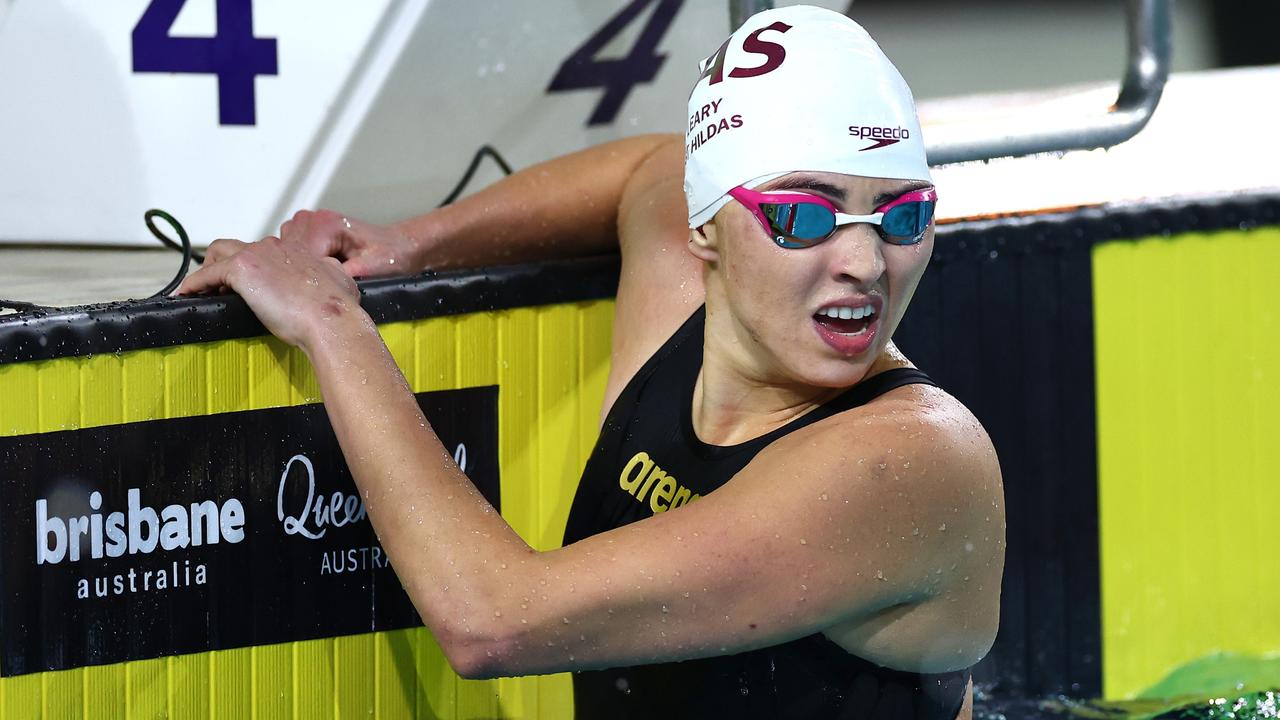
{"type": "Point", "coordinates": [365, 250]}
{"type": "Point", "coordinates": [297, 294]}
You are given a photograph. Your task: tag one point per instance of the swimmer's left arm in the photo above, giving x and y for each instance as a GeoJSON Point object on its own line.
{"type": "Point", "coordinates": [787, 548]}
{"type": "Point", "coordinates": [806, 537]}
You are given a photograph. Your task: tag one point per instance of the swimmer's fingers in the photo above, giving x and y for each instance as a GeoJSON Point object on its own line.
{"type": "Point", "coordinates": [219, 252]}
{"type": "Point", "coordinates": [364, 249]}
{"type": "Point", "coordinates": [381, 251]}
{"type": "Point", "coordinates": [323, 232]}
{"type": "Point", "coordinates": [213, 276]}
{"type": "Point", "coordinates": [221, 249]}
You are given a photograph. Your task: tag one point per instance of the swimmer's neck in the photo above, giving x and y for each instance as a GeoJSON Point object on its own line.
{"type": "Point", "coordinates": [734, 402]}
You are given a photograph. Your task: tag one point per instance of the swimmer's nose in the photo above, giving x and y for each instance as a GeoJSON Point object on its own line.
{"type": "Point", "coordinates": [857, 255]}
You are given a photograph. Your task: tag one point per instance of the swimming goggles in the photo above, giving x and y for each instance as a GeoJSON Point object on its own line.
{"type": "Point", "coordinates": [800, 221]}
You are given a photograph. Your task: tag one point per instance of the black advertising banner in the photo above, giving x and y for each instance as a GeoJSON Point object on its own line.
{"type": "Point", "coordinates": [174, 536]}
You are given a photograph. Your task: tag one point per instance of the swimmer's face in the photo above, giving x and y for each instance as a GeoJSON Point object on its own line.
{"type": "Point", "coordinates": [779, 300]}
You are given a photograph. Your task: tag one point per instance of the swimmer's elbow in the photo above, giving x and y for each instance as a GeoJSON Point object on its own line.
{"type": "Point", "coordinates": [480, 637]}
{"type": "Point", "coordinates": [478, 653]}
{"type": "Point", "coordinates": [486, 650]}
{"type": "Point", "coordinates": [472, 666]}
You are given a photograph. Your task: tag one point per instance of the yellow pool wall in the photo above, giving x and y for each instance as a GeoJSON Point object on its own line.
{"type": "Point", "coordinates": [551, 365]}
{"type": "Point", "coordinates": [1187, 335]}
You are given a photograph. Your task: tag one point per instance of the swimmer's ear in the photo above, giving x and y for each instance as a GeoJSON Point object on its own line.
{"type": "Point", "coordinates": [702, 242]}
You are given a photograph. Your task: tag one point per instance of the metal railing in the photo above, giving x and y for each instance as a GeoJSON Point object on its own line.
{"type": "Point", "coordinates": [1150, 53]}
{"type": "Point", "coordinates": [740, 10]}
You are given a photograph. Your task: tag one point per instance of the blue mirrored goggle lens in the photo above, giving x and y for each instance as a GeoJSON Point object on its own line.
{"type": "Point", "coordinates": [799, 225]}
{"type": "Point", "coordinates": [799, 221]}
{"type": "Point", "coordinates": [904, 224]}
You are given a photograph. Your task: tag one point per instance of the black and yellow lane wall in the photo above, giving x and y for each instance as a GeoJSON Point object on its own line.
{"type": "Point", "coordinates": [180, 538]}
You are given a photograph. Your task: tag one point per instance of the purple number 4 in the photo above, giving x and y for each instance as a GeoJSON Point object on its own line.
{"type": "Point", "coordinates": [233, 53]}
{"type": "Point", "coordinates": [584, 69]}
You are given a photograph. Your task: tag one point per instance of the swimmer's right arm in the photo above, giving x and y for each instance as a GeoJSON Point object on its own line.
{"type": "Point", "coordinates": [564, 207]}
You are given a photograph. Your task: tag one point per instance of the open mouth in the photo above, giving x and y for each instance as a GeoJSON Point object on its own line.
{"type": "Point", "coordinates": [850, 321]}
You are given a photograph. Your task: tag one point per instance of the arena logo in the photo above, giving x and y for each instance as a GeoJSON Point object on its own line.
{"type": "Point", "coordinates": [318, 513]}
{"type": "Point", "coordinates": [641, 473]}
{"type": "Point", "coordinates": [883, 136]}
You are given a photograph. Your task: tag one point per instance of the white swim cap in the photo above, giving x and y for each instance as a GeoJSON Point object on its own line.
{"type": "Point", "coordinates": [799, 88]}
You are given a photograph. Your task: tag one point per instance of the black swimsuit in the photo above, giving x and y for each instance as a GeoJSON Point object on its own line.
{"type": "Point", "coordinates": [648, 459]}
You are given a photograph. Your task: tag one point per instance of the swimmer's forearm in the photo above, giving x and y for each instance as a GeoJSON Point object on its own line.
{"type": "Point", "coordinates": [447, 545]}
{"type": "Point", "coordinates": [564, 207]}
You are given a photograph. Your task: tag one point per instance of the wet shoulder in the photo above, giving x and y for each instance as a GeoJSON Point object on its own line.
{"type": "Point", "coordinates": [925, 472]}
{"type": "Point", "coordinates": [919, 419]}
{"type": "Point", "coordinates": [917, 438]}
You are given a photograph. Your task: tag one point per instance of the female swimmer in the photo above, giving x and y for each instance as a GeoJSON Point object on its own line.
{"type": "Point", "coordinates": [781, 517]}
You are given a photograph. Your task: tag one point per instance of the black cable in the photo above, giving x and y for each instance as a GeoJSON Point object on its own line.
{"type": "Point", "coordinates": [471, 170]}
{"type": "Point", "coordinates": [148, 217]}
{"type": "Point", "coordinates": [185, 247]}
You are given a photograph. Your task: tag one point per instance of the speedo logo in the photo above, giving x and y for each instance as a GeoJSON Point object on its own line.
{"type": "Point", "coordinates": [883, 136]}
{"type": "Point", "coordinates": [641, 477]}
